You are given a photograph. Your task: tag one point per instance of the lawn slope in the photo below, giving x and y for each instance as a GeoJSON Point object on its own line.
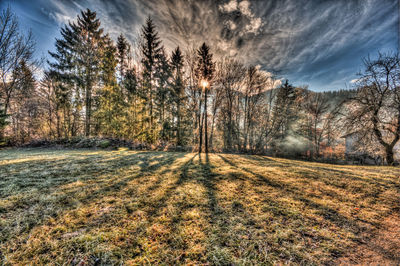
{"type": "Point", "coordinates": [106, 207]}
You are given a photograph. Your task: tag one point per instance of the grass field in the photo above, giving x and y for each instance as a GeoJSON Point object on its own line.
{"type": "Point", "coordinates": [108, 207]}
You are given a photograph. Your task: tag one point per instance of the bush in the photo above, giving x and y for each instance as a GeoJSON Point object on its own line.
{"type": "Point", "coordinates": [105, 143]}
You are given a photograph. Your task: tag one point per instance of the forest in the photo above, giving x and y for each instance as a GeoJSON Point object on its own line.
{"type": "Point", "coordinates": [91, 86]}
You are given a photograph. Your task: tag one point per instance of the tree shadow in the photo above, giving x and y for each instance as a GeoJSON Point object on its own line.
{"type": "Point", "coordinates": [99, 183]}
{"type": "Point", "coordinates": [154, 185]}
{"type": "Point", "coordinates": [324, 211]}
{"type": "Point", "coordinates": [331, 170]}
{"type": "Point", "coordinates": [209, 182]}
{"type": "Point", "coordinates": [370, 187]}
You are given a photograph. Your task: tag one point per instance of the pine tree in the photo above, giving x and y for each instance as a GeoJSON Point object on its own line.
{"type": "Point", "coordinates": [204, 71]}
{"type": "Point", "coordinates": [123, 49]}
{"type": "Point", "coordinates": [128, 82]}
{"type": "Point", "coordinates": [89, 45]}
{"type": "Point", "coordinates": [163, 92]}
{"type": "Point", "coordinates": [284, 113]}
{"type": "Point", "coordinates": [77, 63]}
{"type": "Point", "coordinates": [150, 49]}
{"type": "Point", "coordinates": [109, 62]}
{"type": "Point", "coordinates": [64, 70]}
{"type": "Point", "coordinates": [130, 85]}
{"type": "Point", "coordinates": [111, 107]}
{"type": "Point", "coordinates": [178, 90]}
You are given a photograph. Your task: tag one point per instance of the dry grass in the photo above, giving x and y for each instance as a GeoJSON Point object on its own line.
{"type": "Point", "coordinates": [108, 207]}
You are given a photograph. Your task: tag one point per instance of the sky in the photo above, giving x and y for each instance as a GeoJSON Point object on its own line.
{"type": "Point", "coordinates": [319, 43]}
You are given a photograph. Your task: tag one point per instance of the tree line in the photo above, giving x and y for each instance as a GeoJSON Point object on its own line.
{"type": "Point", "coordinates": [95, 86]}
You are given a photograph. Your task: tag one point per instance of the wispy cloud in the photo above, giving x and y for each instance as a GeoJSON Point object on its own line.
{"type": "Point", "coordinates": [320, 43]}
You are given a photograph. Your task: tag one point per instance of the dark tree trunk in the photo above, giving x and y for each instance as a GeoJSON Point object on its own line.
{"type": "Point", "coordinates": [212, 129]}
{"type": "Point", "coordinates": [389, 156]}
{"type": "Point", "coordinates": [205, 122]}
{"type": "Point", "coordinates": [200, 127]}
{"type": "Point", "coordinates": [178, 132]}
{"type": "Point", "coordinates": [151, 112]}
{"type": "Point", "coordinates": [88, 107]}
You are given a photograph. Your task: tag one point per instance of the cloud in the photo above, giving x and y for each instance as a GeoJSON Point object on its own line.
{"type": "Point", "coordinates": [229, 7]}
{"type": "Point", "coordinates": [59, 18]}
{"type": "Point", "coordinates": [231, 24]}
{"type": "Point", "coordinates": [244, 7]}
{"type": "Point", "coordinates": [320, 43]}
{"type": "Point", "coordinates": [59, 12]}
{"type": "Point", "coordinates": [253, 23]}
{"type": "Point", "coordinates": [254, 26]}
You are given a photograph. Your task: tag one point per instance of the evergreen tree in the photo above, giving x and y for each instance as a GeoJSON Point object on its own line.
{"type": "Point", "coordinates": [150, 49]}
{"type": "Point", "coordinates": [109, 62]}
{"type": "Point", "coordinates": [89, 45]}
{"type": "Point", "coordinates": [178, 90]}
{"type": "Point", "coordinates": [284, 112]}
{"type": "Point", "coordinates": [204, 72]}
{"type": "Point", "coordinates": [123, 50]}
{"type": "Point", "coordinates": [64, 71]}
{"type": "Point", "coordinates": [111, 106]}
{"type": "Point", "coordinates": [77, 63]}
{"type": "Point", "coordinates": [130, 85]}
{"type": "Point", "coordinates": [163, 92]}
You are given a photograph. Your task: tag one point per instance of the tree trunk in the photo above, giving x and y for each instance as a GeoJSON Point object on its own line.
{"type": "Point", "coordinates": [245, 124]}
{"type": "Point", "coordinates": [200, 126]}
{"type": "Point", "coordinates": [212, 129]}
{"type": "Point", "coordinates": [229, 138]}
{"type": "Point", "coordinates": [178, 131]}
{"type": "Point", "coordinates": [151, 112]}
{"type": "Point", "coordinates": [388, 147]}
{"type": "Point", "coordinates": [205, 122]}
{"type": "Point", "coordinates": [88, 108]}
{"type": "Point", "coordinates": [6, 103]}
{"type": "Point", "coordinates": [389, 155]}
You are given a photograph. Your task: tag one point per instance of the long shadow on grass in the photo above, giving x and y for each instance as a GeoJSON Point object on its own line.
{"type": "Point", "coordinates": [351, 187]}
{"type": "Point", "coordinates": [89, 168]}
{"type": "Point", "coordinates": [368, 182]}
{"type": "Point", "coordinates": [325, 211]}
{"type": "Point", "coordinates": [222, 243]}
{"type": "Point", "coordinates": [191, 171]}
{"type": "Point", "coordinates": [235, 233]}
{"type": "Point", "coordinates": [66, 200]}
{"type": "Point", "coordinates": [156, 207]}
{"type": "Point", "coordinates": [384, 183]}
{"type": "Point", "coordinates": [216, 217]}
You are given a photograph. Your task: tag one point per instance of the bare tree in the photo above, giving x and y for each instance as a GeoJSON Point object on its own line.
{"type": "Point", "coordinates": [14, 48]}
{"type": "Point", "coordinates": [375, 110]}
{"type": "Point", "coordinates": [229, 77]}
{"type": "Point", "coordinates": [256, 82]}
{"type": "Point", "coordinates": [268, 122]}
{"type": "Point", "coordinates": [49, 98]}
{"type": "Point", "coordinates": [193, 91]}
{"type": "Point", "coordinates": [316, 107]}
{"type": "Point", "coordinates": [24, 105]}
{"type": "Point", "coordinates": [217, 98]}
